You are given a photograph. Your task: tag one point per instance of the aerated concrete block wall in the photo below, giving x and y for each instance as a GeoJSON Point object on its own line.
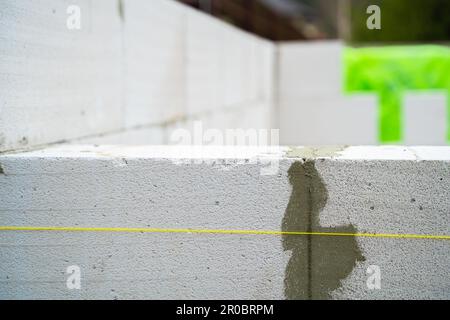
{"type": "Point", "coordinates": [134, 71]}
{"type": "Point", "coordinates": [155, 66]}
{"type": "Point", "coordinates": [371, 190]}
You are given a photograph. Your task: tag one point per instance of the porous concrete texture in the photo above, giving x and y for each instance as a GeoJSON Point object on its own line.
{"type": "Point", "coordinates": [138, 70]}
{"type": "Point", "coordinates": [388, 189]}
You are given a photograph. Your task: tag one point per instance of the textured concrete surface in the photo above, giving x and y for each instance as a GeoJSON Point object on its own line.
{"type": "Point", "coordinates": [354, 189]}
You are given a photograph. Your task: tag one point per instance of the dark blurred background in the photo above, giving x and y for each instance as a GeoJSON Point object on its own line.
{"type": "Point", "coordinates": [284, 20]}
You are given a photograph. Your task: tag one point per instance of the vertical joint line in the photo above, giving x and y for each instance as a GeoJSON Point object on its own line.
{"type": "Point", "coordinates": [309, 237]}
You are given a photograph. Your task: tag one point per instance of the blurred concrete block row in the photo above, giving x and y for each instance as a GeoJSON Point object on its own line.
{"type": "Point", "coordinates": [137, 69]}
{"type": "Point", "coordinates": [376, 190]}
{"type": "Point", "coordinates": [132, 64]}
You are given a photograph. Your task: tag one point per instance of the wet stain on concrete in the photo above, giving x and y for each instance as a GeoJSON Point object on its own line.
{"type": "Point", "coordinates": [120, 8]}
{"type": "Point", "coordinates": [318, 263]}
{"type": "Point", "coordinates": [315, 152]}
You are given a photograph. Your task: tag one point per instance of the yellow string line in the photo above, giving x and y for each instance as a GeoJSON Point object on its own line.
{"type": "Point", "coordinates": [220, 231]}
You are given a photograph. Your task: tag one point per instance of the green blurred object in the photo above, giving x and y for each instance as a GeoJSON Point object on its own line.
{"type": "Point", "coordinates": [389, 72]}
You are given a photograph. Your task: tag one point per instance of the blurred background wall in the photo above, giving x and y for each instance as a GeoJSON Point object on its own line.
{"type": "Point", "coordinates": [397, 95]}
{"type": "Point", "coordinates": [156, 66]}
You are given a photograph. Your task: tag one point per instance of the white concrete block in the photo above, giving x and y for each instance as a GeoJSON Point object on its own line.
{"type": "Point", "coordinates": [400, 197]}
{"type": "Point", "coordinates": [132, 64]}
{"type": "Point", "coordinates": [155, 61]}
{"type": "Point", "coordinates": [204, 72]}
{"type": "Point", "coordinates": [144, 136]}
{"type": "Point", "coordinates": [430, 152]}
{"type": "Point", "coordinates": [311, 69]}
{"type": "Point", "coordinates": [83, 186]}
{"type": "Point", "coordinates": [256, 116]}
{"type": "Point", "coordinates": [312, 109]}
{"type": "Point", "coordinates": [58, 83]}
{"type": "Point", "coordinates": [172, 132]}
{"type": "Point", "coordinates": [268, 74]}
{"type": "Point", "coordinates": [225, 67]}
{"type": "Point", "coordinates": [425, 118]}
{"type": "Point", "coordinates": [327, 120]}
{"type": "Point", "coordinates": [211, 128]}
